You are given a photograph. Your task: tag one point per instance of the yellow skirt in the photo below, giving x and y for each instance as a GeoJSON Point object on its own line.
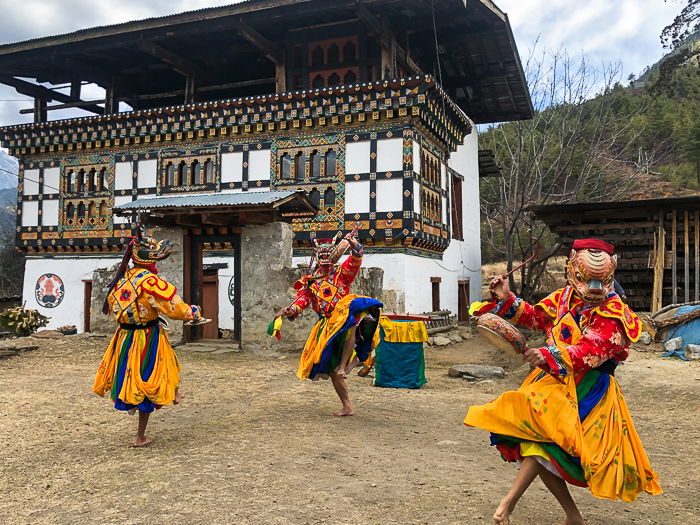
{"type": "Point", "coordinates": [605, 447]}
{"type": "Point", "coordinates": [139, 369]}
{"type": "Point", "coordinates": [323, 348]}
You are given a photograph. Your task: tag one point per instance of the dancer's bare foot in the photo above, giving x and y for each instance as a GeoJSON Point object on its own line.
{"type": "Point", "coordinates": [143, 442]}
{"type": "Point", "coordinates": [502, 514]}
{"type": "Point", "coordinates": [178, 398]}
{"type": "Point", "coordinates": [343, 412]}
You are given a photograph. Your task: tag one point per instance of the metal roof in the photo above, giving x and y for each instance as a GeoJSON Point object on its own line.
{"type": "Point", "coordinates": [216, 200]}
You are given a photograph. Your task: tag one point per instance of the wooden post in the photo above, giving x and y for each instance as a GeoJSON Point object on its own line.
{"type": "Point", "coordinates": [686, 257]}
{"type": "Point", "coordinates": [280, 77]}
{"type": "Point", "coordinates": [659, 261]}
{"type": "Point", "coordinates": [696, 245]}
{"type": "Point", "coordinates": [111, 101]}
{"type": "Point", "coordinates": [40, 114]}
{"type": "Point", "coordinates": [190, 87]}
{"type": "Point", "coordinates": [674, 259]}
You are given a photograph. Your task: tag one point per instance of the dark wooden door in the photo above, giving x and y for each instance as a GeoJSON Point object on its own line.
{"type": "Point", "coordinates": [436, 296]}
{"type": "Point", "coordinates": [463, 301]}
{"type": "Point", "coordinates": [87, 301]}
{"type": "Point", "coordinates": [210, 304]}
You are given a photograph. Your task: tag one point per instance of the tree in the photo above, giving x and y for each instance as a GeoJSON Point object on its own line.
{"type": "Point", "coordinates": [11, 262]}
{"type": "Point", "coordinates": [683, 26]}
{"type": "Point", "coordinates": [680, 37]}
{"type": "Point", "coordinates": [575, 149]}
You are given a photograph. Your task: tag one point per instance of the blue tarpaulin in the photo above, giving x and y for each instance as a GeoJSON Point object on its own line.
{"type": "Point", "coordinates": [689, 332]}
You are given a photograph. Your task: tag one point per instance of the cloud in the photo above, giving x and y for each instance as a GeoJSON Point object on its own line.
{"type": "Point", "coordinates": [625, 31]}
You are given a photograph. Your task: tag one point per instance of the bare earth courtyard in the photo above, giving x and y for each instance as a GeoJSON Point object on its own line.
{"type": "Point", "coordinates": [253, 445]}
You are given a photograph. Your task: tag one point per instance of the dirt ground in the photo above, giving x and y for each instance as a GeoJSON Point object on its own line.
{"type": "Point", "coordinates": [253, 445]}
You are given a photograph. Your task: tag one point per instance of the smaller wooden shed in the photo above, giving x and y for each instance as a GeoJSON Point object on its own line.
{"type": "Point", "coordinates": [657, 242]}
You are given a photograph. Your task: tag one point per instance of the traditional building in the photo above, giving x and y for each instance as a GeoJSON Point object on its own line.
{"type": "Point", "coordinates": [369, 107]}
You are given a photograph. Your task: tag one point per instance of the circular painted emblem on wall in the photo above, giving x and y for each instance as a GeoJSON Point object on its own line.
{"type": "Point", "coordinates": [231, 291]}
{"type": "Point", "coordinates": [49, 290]}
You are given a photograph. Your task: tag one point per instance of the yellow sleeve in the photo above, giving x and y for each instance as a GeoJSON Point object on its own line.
{"type": "Point", "coordinates": [175, 308]}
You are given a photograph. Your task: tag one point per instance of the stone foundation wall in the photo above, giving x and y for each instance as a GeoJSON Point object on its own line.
{"type": "Point", "coordinates": [267, 280]}
{"type": "Point", "coordinates": [172, 270]}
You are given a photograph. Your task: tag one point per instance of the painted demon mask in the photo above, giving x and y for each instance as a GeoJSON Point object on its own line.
{"type": "Point", "coordinates": [326, 252]}
{"type": "Point", "coordinates": [147, 250]}
{"type": "Point", "coordinates": [591, 268]}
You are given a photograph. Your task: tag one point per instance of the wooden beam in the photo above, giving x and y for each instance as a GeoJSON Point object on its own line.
{"type": "Point", "coordinates": [207, 89]}
{"type": "Point", "coordinates": [179, 64]}
{"type": "Point", "coordinates": [28, 111]}
{"type": "Point", "coordinates": [216, 219]}
{"type": "Point", "coordinates": [37, 91]}
{"type": "Point", "coordinates": [271, 50]}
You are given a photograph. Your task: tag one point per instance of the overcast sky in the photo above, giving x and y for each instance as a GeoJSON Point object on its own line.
{"type": "Point", "coordinates": [603, 30]}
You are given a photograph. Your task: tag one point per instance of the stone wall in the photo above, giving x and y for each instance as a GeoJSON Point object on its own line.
{"type": "Point", "coordinates": [172, 270]}
{"type": "Point", "coordinates": [267, 281]}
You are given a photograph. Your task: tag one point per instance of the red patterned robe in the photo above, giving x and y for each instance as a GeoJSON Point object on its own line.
{"type": "Point", "coordinates": [322, 292]}
{"type": "Point", "coordinates": [604, 331]}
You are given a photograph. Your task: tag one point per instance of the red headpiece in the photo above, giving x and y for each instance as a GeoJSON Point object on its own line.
{"type": "Point", "coordinates": [593, 244]}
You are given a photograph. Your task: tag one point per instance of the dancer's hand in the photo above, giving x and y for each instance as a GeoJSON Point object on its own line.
{"type": "Point", "coordinates": [499, 287]}
{"type": "Point", "coordinates": [289, 312]}
{"type": "Point", "coordinates": [350, 237]}
{"type": "Point", "coordinates": [534, 357]}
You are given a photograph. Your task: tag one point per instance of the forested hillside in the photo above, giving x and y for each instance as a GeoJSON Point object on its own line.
{"type": "Point", "coordinates": [592, 139]}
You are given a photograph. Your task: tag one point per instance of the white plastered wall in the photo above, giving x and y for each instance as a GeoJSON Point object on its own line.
{"type": "Point", "coordinates": [226, 309]}
{"type": "Point", "coordinates": [465, 161]}
{"type": "Point", "coordinates": [411, 274]}
{"type": "Point", "coordinates": [72, 271]}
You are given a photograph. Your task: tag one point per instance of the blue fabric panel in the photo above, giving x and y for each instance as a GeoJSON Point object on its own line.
{"type": "Point", "coordinates": [357, 306]}
{"type": "Point", "coordinates": [146, 405]}
{"type": "Point", "coordinates": [399, 365]}
{"type": "Point", "coordinates": [593, 397]}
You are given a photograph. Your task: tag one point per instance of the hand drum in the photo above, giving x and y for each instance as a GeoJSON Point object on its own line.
{"type": "Point", "coordinates": [502, 334]}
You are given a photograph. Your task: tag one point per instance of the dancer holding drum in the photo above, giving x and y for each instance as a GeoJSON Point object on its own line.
{"type": "Point", "coordinates": [568, 422]}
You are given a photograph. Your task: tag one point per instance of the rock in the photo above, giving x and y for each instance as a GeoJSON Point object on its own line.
{"type": "Point", "coordinates": [48, 334]}
{"type": "Point", "coordinates": [673, 344]}
{"type": "Point", "coordinates": [475, 372]}
{"type": "Point", "coordinates": [431, 341]}
{"type": "Point", "coordinates": [455, 337]}
{"type": "Point", "coordinates": [465, 332]}
{"type": "Point", "coordinates": [20, 344]}
{"type": "Point", "coordinates": [441, 341]}
{"type": "Point", "coordinates": [645, 338]}
{"type": "Point", "coordinates": [692, 351]}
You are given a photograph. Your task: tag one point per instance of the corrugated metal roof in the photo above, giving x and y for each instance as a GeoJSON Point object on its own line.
{"type": "Point", "coordinates": [210, 200]}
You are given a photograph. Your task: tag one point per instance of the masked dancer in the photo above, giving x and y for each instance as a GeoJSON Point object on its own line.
{"type": "Point", "coordinates": [579, 432]}
{"type": "Point", "coordinates": [140, 369]}
{"type": "Point", "coordinates": [346, 322]}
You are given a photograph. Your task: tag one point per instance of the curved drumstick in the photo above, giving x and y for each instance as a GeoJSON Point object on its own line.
{"type": "Point", "coordinates": [535, 253]}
